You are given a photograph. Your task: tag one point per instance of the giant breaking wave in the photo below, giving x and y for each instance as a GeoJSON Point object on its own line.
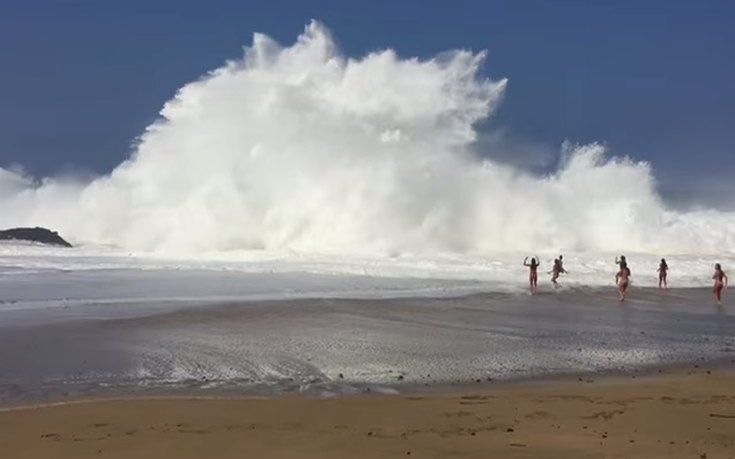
{"type": "Point", "coordinates": [303, 149]}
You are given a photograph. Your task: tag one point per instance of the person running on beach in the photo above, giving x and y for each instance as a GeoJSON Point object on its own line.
{"type": "Point", "coordinates": [720, 282]}
{"type": "Point", "coordinates": [533, 272]}
{"type": "Point", "coordinates": [622, 279]}
{"type": "Point", "coordinates": [663, 269]}
{"type": "Point", "coordinates": [555, 271]}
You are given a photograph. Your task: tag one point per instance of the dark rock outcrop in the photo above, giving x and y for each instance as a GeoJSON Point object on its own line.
{"type": "Point", "coordinates": [37, 234]}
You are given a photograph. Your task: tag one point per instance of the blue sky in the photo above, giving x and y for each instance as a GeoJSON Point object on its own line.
{"type": "Point", "coordinates": [652, 78]}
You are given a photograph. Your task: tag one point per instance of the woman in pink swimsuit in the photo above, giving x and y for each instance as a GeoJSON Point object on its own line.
{"type": "Point", "coordinates": [720, 282]}
{"type": "Point", "coordinates": [532, 273]}
{"type": "Point", "coordinates": [622, 278]}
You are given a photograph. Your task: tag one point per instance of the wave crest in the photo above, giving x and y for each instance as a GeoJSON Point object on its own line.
{"type": "Point", "coordinates": [302, 148]}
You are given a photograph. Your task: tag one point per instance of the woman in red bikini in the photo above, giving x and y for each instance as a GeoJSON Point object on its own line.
{"type": "Point", "coordinates": [663, 269]}
{"type": "Point", "coordinates": [532, 273]}
{"type": "Point", "coordinates": [720, 282]}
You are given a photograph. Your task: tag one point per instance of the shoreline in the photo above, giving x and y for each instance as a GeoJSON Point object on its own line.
{"type": "Point", "coordinates": [653, 372]}
{"type": "Point", "coordinates": [607, 377]}
{"type": "Point", "coordinates": [673, 372]}
{"type": "Point", "coordinates": [685, 412]}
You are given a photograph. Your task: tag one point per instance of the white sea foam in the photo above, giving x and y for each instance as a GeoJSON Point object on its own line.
{"type": "Point", "coordinates": [301, 159]}
{"type": "Point", "coordinates": [44, 275]}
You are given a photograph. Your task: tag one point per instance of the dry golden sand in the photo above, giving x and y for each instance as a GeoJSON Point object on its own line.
{"type": "Point", "coordinates": [676, 415]}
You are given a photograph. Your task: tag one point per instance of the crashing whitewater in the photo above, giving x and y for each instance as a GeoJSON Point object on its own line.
{"type": "Point", "coordinates": [301, 150]}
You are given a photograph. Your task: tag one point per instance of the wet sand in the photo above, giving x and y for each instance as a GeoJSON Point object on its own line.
{"type": "Point", "coordinates": [347, 346]}
{"type": "Point", "coordinates": [684, 413]}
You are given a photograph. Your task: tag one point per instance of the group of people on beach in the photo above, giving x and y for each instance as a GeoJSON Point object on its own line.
{"type": "Point", "coordinates": [622, 276]}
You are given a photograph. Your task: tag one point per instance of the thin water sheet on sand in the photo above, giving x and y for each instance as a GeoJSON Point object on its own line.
{"type": "Point", "coordinates": [347, 345]}
{"type": "Point", "coordinates": [678, 414]}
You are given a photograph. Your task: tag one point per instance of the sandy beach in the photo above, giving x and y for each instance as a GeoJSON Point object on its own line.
{"type": "Point", "coordinates": [687, 413]}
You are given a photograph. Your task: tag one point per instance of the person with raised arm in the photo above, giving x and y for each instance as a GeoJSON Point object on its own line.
{"type": "Point", "coordinates": [720, 282]}
{"type": "Point", "coordinates": [533, 272]}
{"type": "Point", "coordinates": [621, 261]}
{"type": "Point", "coordinates": [663, 269]}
